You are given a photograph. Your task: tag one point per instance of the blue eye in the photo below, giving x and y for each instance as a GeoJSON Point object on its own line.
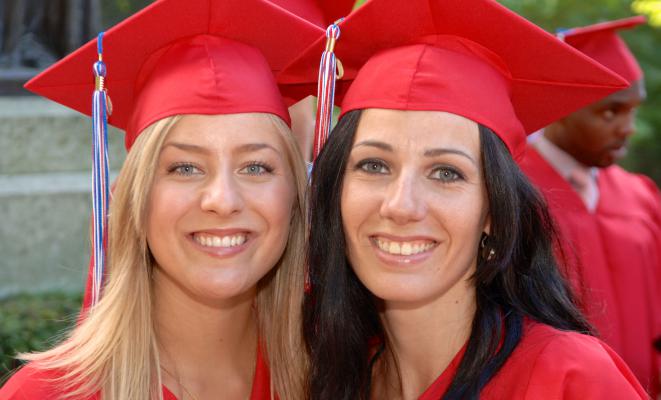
{"type": "Point", "coordinates": [373, 166]}
{"type": "Point", "coordinates": [446, 174]}
{"type": "Point", "coordinates": [256, 168]}
{"type": "Point", "coordinates": [184, 169]}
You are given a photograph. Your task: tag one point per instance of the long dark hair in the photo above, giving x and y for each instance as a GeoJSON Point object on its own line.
{"type": "Point", "coordinates": [341, 320]}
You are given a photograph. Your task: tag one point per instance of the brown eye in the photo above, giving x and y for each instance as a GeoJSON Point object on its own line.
{"type": "Point", "coordinates": [608, 115]}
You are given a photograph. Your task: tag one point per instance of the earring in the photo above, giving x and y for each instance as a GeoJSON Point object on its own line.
{"type": "Point", "coordinates": [487, 251]}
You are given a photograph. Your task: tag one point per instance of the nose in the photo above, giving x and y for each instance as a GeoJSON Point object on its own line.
{"type": "Point", "coordinates": [627, 125]}
{"type": "Point", "coordinates": [222, 195]}
{"type": "Point", "coordinates": [402, 203]}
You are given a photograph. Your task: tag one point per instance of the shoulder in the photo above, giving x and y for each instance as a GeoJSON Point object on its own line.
{"type": "Point", "coordinates": [30, 383]}
{"type": "Point", "coordinates": [570, 365]}
{"type": "Point", "coordinates": [627, 195]}
{"type": "Point", "coordinates": [628, 184]}
{"type": "Point", "coordinates": [533, 164]}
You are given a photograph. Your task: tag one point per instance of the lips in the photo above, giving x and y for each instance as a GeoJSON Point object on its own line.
{"type": "Point", "coordinates": [403, 247]}
{"type": "Point", "coordinates": [619, 145]}
{"type": "Point", "coordinates": [219, 240]}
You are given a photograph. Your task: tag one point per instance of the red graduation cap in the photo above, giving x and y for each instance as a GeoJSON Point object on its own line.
{"type": "Point", "coordinates": [602, 43]}
{"type": "Point", "coordinates": [177, 57]}
{"type": "Point", "coordinates": [180, 57]}
{"type": "Point", "coordinates": [320, 12]}
{"type": "Point", "coordinates": [474, 58]}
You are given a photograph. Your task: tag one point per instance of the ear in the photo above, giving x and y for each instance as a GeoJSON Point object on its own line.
{"type": "Point", "coordinates": [487, 224]}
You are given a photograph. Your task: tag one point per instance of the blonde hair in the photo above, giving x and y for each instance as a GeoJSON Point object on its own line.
{"type": "Point", "coordinates": [123, 361]}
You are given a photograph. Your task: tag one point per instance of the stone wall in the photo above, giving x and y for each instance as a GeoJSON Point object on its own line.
{"type": "Point", "coordinates": [45, 203]}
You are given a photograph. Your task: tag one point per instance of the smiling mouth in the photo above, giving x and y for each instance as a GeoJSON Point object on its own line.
{"type": "Point", "coordinates": [404, 248]}
{"type": "Point", "coordinates": [215, 241]}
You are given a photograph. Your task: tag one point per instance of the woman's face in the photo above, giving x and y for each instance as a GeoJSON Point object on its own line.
{"type": "Point", "coordinates": [220, 204]}
{"type": "Point", "coordinates": [414, 204]}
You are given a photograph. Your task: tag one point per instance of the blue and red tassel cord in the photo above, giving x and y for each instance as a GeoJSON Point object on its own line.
{"type": "Point", "coordinates": [330, 69]}
{"type": "Point", "coordinates": [100, 188]}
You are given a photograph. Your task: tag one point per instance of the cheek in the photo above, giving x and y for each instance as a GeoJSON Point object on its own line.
{"type": "Point", "coordinates": [460, 209]}
{"type": "Point", "coordinates": [463, 217]}
{"type": "Point", "coordinates": [591, 132]}
{"type": "Point", "coordinates": [167, 204]}
{"type": "Point", "coordinates": [357, 202]}
{"type": "Point", "coordinates": [275, 203]}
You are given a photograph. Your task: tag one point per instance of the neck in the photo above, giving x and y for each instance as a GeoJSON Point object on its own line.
{"type": "Point", "coordinates": [425, 338]}
{"type": "Point", "coordinates": [204, 343]}
{"type": "Point", "coordinates": [557, 136]}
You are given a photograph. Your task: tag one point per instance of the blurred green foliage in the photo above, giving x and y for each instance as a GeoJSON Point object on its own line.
{"type": "Point", "coordinates": [33, 322]}
{"type": "Point", "coordinates": [650, 7]}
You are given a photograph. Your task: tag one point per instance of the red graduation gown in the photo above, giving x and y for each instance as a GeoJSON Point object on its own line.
{"type": "Point", "coordinates": [613, 258]}
{"type": "Point", "coordinates": [551, 364]}
{"type": "Point", "coordinates": [31, 384]}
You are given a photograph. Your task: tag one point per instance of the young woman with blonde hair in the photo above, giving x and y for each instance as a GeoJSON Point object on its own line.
{"type": "Point", "coordinates": [203, 278]}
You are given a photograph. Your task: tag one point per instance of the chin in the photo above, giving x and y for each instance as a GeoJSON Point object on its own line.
{"type": "Point", "coordinates": [604, 163]}
{"type": "Point", "coordinates": [401, 293]}
{"type": "Point", "coordinates": [218, 290]}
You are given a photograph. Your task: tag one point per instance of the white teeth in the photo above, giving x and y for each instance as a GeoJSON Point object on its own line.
{"type": "Point", "coordinates": [220, 241]}
{"type": "Point", "coordinates": [403, 248]}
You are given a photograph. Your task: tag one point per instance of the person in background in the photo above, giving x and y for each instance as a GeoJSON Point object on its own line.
{"type": "Point", "coordinates": [609, 219]}
{"type": "Point", "coordinates": [431, 260]}
{"type": "Point", "coordinates": [201, 289]}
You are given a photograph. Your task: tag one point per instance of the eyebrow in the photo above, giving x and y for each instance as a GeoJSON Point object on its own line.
{"type": "Point", "coordinates": [615, 102]}
{"type": "Point", "coordinates": [187, 147]}
{"type": "Point", "coordinates": [244, 148]}
{"type": "Point", "coordinates": [440, 151]}
{"type": "Point", "coordinates": [375, 143]}
{"type": "Point", "coordinates": [250, 147]}
{"type": "Point", "coordinates": [428, 153]}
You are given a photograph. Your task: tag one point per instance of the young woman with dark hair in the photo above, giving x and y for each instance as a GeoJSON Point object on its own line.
{"type": "Point", "coordinates": [431, 255]}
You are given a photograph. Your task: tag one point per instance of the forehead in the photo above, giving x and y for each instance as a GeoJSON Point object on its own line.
{"type": "Point", "coordinates": [633, 95]}
{"type": "Point", "coordinates": [420, 128]}
{"type": "Point", "coordinates": [226, 130]}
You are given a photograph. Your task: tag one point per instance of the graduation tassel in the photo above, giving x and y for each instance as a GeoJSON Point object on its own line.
{"type": "Point", "coordinates": [330, 69]}
{"type": "Point", "coordinates": [100, 192]}
{"type": "Point", "coordinates": [560, 33]}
